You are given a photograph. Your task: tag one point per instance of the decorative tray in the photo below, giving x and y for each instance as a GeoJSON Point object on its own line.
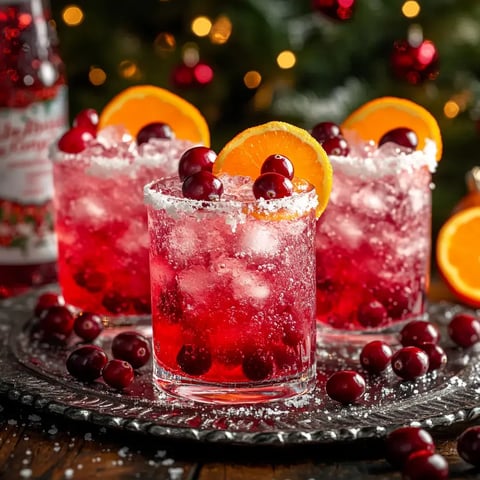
{"type": "Point", "coordinates": [35, 375]}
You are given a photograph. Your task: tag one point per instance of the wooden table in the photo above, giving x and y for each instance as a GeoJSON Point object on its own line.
{"type": "Point", "coordinates": [40, 446]}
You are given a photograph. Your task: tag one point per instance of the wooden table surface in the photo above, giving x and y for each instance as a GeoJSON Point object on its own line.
{"type": "Point", "coordinates": [41, 446]}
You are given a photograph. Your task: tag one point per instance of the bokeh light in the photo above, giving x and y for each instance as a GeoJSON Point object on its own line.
{"type": "Point", "coordinates": [286, 59]}
{"type": "Point", "coordinates": [201, 26]}
{"type": "Point", "coordinates": [97, 76]}
{"type": "Point", "coordinates": [411, 9]}
{"type": "Point", "coordinates": [72, 15]}
{"type": "Point", "coordinates": [451, 109]}
{"type": "Point", "coordinates": [252, 79]}
{"type": "Point", "coordinates": [221, 30]}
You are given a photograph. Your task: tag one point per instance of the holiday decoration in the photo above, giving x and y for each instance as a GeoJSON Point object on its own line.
{"type": "Point", "coordinates": [186, 76]}
{"type": "Point", "coordinates": [336, 9]}
{"type": "Point", "coordinates": [415, 64]}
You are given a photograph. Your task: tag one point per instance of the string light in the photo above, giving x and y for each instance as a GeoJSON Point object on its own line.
{"type": "Point", "coordinates": [201, 26]}
{"type": "Point", "coordinates": [286, 59]}
{"type": "Point", "coordinates": [411, 9]}
{"type": "Point", "coordinates": [164, 43]}
{"type": "Point", "coordinates": [97, 76]}
{"type": "Point", "coordinates": [221, 30]}
{"type": "Point", "coordinates": [190, 54]}
{"type": "Point", "coordinates": [72, 15]}
{"type": "Point", "coordinates": [451, 109]}
{"type": "Point", "coordinates": [128, 69]}
{"type": "Point", "coordinates": [252, 79]}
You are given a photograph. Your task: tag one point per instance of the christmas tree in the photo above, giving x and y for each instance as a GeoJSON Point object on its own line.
{"type": "Point", "coordinates": [247, 61]}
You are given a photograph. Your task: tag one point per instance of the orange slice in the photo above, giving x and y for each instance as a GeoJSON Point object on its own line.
{"type": "Point", "coordinates": [137, 106]}
{"type": "Point", "coordinates": [245, 154]}
{"type": "Point", "coordinates": [458, 255]}
{"type": "Point", "coordinates": [377, 117]}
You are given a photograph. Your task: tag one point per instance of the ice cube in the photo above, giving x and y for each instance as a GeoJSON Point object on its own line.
{"type": "Point", "coordinates": [161, 273]}
{"type": "Point", "coordinates": [113, 135]}
{"type": "Point", "coordinates": [90, 208]}
{"type": "Point", "coordinates": [182, 244]}
{"type": "Point", "coordinates": [259, 240]}
{"type": "Point", "coordinates": [135, 238]}
{"type": "Point", "coordinates": [349, 232]}
{"type": "Point", "coordinates": [250, 286]}
{"type": "Point", "coordinates": [196, 282]}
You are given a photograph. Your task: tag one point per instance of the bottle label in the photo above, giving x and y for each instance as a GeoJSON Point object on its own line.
{"type": "Point", "coordinates": [26, 180]}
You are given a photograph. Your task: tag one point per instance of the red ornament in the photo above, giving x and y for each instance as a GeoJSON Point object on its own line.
{"type": "Point", "coordinates": [415, 64]}
{"type": "Point", "coordinates": [337, 9]}
{"type": "Point", "coordinates": [185, 76]}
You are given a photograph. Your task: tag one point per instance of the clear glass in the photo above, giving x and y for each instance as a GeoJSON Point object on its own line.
{"type": "Point", "coordinates": [101, 222]}
{"type": "Point", "coordinates": [374, 240]}
{"type": "Point", "coordinates": [233, 293]}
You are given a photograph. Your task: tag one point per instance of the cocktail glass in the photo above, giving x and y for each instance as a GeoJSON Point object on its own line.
{"type": "Point", "coordinates": [233, 292]}
{"type": "Point", "coordinates": [373, 241]}
{"type": "Point", "coordinates": [101, 221]}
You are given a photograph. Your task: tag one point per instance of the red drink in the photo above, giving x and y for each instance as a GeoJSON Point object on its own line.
{"type": "Point", "coordinates": [233, 292]}
{"type": "Point", "coordinates": [32, 112]}
{"type": "Point", "coordinates": [373, 241]}
{"type": "Point", "coordinates": [101, 221]}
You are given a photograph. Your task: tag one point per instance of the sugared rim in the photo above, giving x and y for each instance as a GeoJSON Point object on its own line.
{"type": "Point", "coordinates": [300, 203]}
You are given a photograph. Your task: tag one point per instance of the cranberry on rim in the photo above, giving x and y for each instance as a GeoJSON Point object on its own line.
{"type": "Point", "coordinates": [154, 130]}
{"type": "Point", "coordinates": [345, 386]}
{"type": "Point", "coordinates": [336, 146]}
{"type": "Point", "coordinates": [400, 136]}
{"type": "Point", "coordinates": [194, 160]}
{"type": "Point", "coordinates": [325, 130]}
{"type": "Point", "coordinates": [272, 185]}
{"type": "Point", "coordinates": [279, 164]}
{"type": "Point", "coordinates": [202, 185]}
{"type": "Point", "coordinates": [403, 441]}
{"type": "Point", "coordinates": [87, 118]}
{"type": "Point", "coordinates": [417, 332]}
{"type": "Point", "coordinates": [75, 140]}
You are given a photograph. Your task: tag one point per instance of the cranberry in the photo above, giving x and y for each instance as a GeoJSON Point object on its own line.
{"type": "Point", "coordinates": [118, 373]}
{"type": "Point", "coordinates": [464, 329]}
{"type": "Point", "coordinates": [142, 305]}
{"type": "Point", "coordinates": [418, 332]}
{"type": "Point", "coordinates": [154, 130]}
{"type": "Point", "coordinates": [115, 303]}
{"type": "Point", "coordinates": [56, 322]}
{"type": "Point", "coordinates": [401, 136]}
{"type": "Point", "coordinates": [424, 464]}
{"type": "Point", "coordinates": [403, 441]}
{"type": "Point", "coordinates": [336, 146]}
{"type": "Point", "coordinates": [194, 359]}
{"type": "Point", "coordinates": [88, 326]}
{"type": "Point", "coordinates": [47, 300]}
{"type": "Point", "coordinates": [279, 164]}
{"type": "Point", "coordinates": [324, 130]}
{"type": "Point", "coordinates": [345, 386]}
{"type": "Point", "coordinates": [410, 362]}
{"type": "Point", "coordinates": [86, 363]}
{"type": "Point", "coordinates": [468, 445]}
{"type": "Point", "coordinates": [194, 160]}
{"type": "Point", "coordinates": [131, 347]}
{"type": "Point", "coordinates": [258, 365]}
{"type": "Point", "coordinates": [371, 314]}
{"type": "Point", "coordinates": [88, 119]}
{"type": "Point", "coordinates": [437, 358]}
{"type": "Point", "coordinates": [375, 356]}
{"type": "Point", "coordinates": [293, 334]}
{"type": "Point", "coordinates": [272, 185]}
{"type": "Point", "coordinates": [202, 185]}
{"type": "Point", "coordinates": [75, 140]}
{"type": "Point", "coordinates": [90, 279]}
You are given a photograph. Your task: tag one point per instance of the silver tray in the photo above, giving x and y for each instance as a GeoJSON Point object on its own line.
{"type": "Point", "coordinates": [35, 375]}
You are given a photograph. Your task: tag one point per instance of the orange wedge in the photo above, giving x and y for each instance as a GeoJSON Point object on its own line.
{"type": "Point", "coordinates": [458, 255]}
{"type": "Point", "coordinates": [377, 117]}
{"type": "Point", "coordinates": [137, 106]}
{"type": "Point", "coordinates": [245, 154]}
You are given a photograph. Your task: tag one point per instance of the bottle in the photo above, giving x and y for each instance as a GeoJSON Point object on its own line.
{"type": "Point", "coordinates": [472, 198]}
{"type": "Point", "coordinates": [33, 113]}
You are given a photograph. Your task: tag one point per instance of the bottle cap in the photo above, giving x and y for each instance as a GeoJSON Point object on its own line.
{"type": "Point", "coordinates": [472, 178]}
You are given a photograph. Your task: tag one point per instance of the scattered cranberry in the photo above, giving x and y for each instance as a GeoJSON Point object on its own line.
{"type": "Point", "coordinates": [279, 164]}
{"type": "Point", "coordinates": [194, 160]}
{"type": "Point", "coordinates": [47, 300]}
{"type": "Point", "coordinates": [272, 185]}
{"type": "Point", "coordinates": [118, 373]}
{"type": "Point", "coordinates": [154, 130]}
{"type": "Point", "coordinates": [90, 279]}
{"type": "Point", "coordinates": [336, 146]}
{"type": "Point", "coordinates": [56, 323]}
{"type": "Point", "coordinates": [375, 356]}
{"type": "Point", "coordinates": [345, 386]}
{"type": "Point", "coordinates": [417, 332]}
{"type": "Point", "coordinates": [88, 326]}
{"type": "Point", "coordinates": [401, 136]}
{"type": "Point", "coordinates": [371, 314]}
{"type": "Point", "coordinates": [325, 130]}
{"type": "Point", "coordinates": [86, 363]}
{"type": "Point", "coordinates": [258, 365]}
{"type": "Point", "coordinates": [88, 119]}
{"type": "Point", "coordinates": [403, 441]}
{"type": "Point", "coordinates": [115, 302]}
{"type": "Point", "coordinates": [194, 360]}
{"type": "Point", "coordinates": [424, 464]}
{"type": "Point", "coordinates": [202, 185]}
{"type": "Point", "coordinates": [468, 445]}
{"type": "Point", "coordinates": [464, 329]}
{"type": "Point", "coordinates": [131, 347]}
{"type": "Point", "coordinates": [437, 358]}
{"type": "Point", "coordinates": [410, 362]}
{"type": "Point", "coordinates": [75, 140]}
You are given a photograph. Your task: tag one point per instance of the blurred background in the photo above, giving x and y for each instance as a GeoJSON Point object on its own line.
{"type": "Point", "coordinates": [242, 62]}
